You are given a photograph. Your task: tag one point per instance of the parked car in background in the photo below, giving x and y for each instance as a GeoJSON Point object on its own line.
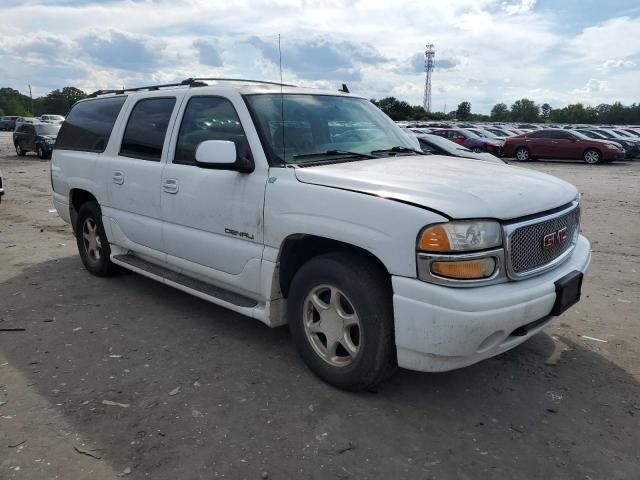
{"type": "Point", "coordinates": [438, 145]}
{"type": "Point", "coordinates": [8, 123]}
{"type": "Point", "coordinates": [29, 120]}
{"type": "Point", "coordinates": [471, 140]}
{"type": "Point", "coordinates": [55, 119]}
{"type": "Point", "coordinates": [500, 132]}
{"type": "Point", "coordinates": [561, 144]}
{"type": "Point", "coordinates": [630, 149]}
{"type": "Point", "coordinates": [39, 137]}
{"type": "Point", "coordinates": [1, 186]}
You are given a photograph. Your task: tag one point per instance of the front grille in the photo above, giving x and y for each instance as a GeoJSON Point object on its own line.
{"type": "Point", "coordinates": [526, 249]}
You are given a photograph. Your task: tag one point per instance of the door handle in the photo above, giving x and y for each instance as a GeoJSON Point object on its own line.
{"type": "Point", "coordinates": [118, 178]}
{"type": "Point", "coordinates": [554, 141]}
{"type": "Point", "coordinates": [170, 185]}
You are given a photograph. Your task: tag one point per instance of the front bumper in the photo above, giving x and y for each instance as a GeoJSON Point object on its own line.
{"type": "Point", "coordinates": [443, 328]}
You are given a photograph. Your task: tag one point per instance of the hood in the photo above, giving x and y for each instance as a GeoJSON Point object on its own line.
{"type": "Point", "coordinates": [457, 187]}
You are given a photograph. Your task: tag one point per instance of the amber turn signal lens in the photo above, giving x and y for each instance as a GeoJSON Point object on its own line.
{"type": "Point", "coordinates": [465, 270]}
{"type": "Point", "coordinates": [434, 239]}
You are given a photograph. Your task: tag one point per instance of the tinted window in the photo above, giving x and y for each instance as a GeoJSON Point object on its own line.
{"type": "Point", "coordinates": [539, 135]}
{"type": "Point", "coordinates": [209, 118]}
{"type": "Point", "coordinates": [89, 124]}
{"type": "Point", "coordinates": [146, 128]}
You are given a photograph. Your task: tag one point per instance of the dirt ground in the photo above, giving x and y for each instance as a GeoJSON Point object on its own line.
{"type": "Point", "coordinates": [127, 377]}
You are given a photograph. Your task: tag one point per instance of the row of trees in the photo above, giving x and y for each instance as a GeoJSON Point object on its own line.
{"type": "Point", "coordinates": [57, 102]}
{"type": "Point", "coordinates": [523, 110]}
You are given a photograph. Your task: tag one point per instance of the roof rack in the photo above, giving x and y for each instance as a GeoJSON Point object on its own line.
{"type": "Point", "coordinates": [190, 82]}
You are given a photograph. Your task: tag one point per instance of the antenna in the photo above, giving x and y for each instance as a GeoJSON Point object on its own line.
{"type": "Point", "coordinates": [429, 53]}
{"type": "Point", "coordinates": [284, 151]}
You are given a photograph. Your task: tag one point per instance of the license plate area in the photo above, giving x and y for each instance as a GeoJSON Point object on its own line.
{"type": "Point", "coordinates": [568, 290]}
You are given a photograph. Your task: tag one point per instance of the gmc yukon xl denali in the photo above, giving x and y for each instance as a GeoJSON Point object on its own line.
{"type": "Point", "coordinates": [312, 208]}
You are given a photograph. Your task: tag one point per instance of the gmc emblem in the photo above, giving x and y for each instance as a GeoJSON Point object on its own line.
{"type": "Point", "coordinates": [554, 239]}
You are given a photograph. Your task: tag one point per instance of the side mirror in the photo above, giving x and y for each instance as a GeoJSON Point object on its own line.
{"type": "Point", "coordinates": [221, 155]}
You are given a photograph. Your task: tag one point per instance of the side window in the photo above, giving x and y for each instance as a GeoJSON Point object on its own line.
{"type": "Point", "coordinates": [89, 124]}
{"type": "Point", "coordinates": [209, 118]}
{"type": "Point", "coordinates": [146, 128]}
{"type": "Point", "coordinates": [538, 135]}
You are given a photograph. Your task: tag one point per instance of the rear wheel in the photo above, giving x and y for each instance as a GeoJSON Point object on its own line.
{"type": "Point", "coordinates": [20, 151]}
{"type": "Point", "coordinates": [522, 154]}
{"type": "Point", "coordinates": [92, 242]}
{"type": "Point", "coordinates": [341, 320]}
{"type": "Point", "coordinates": [592, 156]}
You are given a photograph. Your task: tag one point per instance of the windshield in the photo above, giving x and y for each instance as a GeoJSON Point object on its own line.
{"type": "Point", "coordinates": [47, 129]}
{"type": "Point", "coordinates": [323, 127]}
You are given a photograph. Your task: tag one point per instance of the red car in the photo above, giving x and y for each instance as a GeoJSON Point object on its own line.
{"type": "Point", "coordinates": [561, 144]}
{"type": "Point", "coordinates": [471, 140]}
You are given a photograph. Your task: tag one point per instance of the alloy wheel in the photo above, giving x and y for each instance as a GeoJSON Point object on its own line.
{"type": "Point", "coordinates": [332, 326]}
{"type": "Point", "coordinates": [522, 154]}
{"type": "Point", "coordinates": [91, 240]}
{"type": "Point", "coordinates": [592, 157]}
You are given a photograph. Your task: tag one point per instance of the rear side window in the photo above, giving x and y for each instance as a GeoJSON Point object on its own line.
{"type": "Point", "coordinates": [146, 129]}
{"type": "Point", "coordinates": [539, 135]}
{"type": "Point", "coordinates": [89, 124]}
{"type": "Point", "coordinates": [209, 118]}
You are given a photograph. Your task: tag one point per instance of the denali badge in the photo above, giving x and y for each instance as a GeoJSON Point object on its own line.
{"type": "Point", "coordinates": [554, 239]}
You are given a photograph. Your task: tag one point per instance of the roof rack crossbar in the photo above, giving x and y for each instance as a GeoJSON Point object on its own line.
{"type": "Point", "coordinates": [245, 80]}
{"type": "Point", "coordinates": [147, 87]}
{"type": "Point", "coordinates": [190, 82]}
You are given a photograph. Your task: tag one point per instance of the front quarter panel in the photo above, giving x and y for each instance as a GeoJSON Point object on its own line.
{"type": "Point", "coordinates": [386, 228]}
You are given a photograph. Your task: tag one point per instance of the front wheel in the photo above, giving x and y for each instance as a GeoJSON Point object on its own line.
{"type": "Point", "coordinates": [340, 315]}
{"type": "Point", "coordinates": [21, 152]}
{"type": "Point", "coordinates": [40, 152]}
{"type": "Point", "coordinates": [522, 154]}
{"type": "Point", "coordinates": [592, 156]}
{"type": "Point", "coordinates": [477, 150]}
{"type": "Point", "coordinates": [93, 245]}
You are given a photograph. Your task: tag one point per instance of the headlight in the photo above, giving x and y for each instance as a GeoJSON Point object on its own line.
{"type": "Point", "coordinates": [462, 236]}
{"type": "Point", "coordinates": [612, 147]}
{"type": "Point", "coordinates": [50, 141]}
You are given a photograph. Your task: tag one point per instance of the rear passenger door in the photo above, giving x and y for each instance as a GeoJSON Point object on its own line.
{"type": "Point", "coordinates": [213, 218]}
{"type": "Point", "coordinates": [135, 173]}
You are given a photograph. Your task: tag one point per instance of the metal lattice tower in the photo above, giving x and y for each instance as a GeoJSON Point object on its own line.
{"type": "Point", "coordinates": [429, 54]}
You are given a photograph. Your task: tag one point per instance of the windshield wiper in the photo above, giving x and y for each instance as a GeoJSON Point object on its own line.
{"type": "Point", "coordinates": [333, 153]}
{"type": "Point", "coordinates": [398, 149]}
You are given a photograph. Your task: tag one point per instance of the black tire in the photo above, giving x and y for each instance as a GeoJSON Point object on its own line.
{"type": "Point", "coordinates": [40, 152]}
{"type": "Point", "coordinates": [522, 154]}
{"type": "Point", "coordinates": [20, 151]}
{"type": "Point", "coordinates": [477, 150]}
{"type": "Point", "coordinates": [101, 265]}
{"type": "Point", "coordinates": [592, 156]}
{"type": "Point", "coordinates": [369, 291]}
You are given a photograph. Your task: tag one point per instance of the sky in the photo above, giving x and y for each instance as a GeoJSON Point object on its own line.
{"type": "Point", "coordinates": [487, 51]}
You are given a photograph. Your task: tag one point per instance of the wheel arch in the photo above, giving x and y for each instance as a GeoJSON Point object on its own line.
{"type": "Point", "coordinates": [297, 249]}
{"type": "Point", "coordinates": [77, 198]}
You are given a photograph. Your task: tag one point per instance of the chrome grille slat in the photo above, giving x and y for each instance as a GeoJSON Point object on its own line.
{"type": "Point", "coordinates": [525, 253]}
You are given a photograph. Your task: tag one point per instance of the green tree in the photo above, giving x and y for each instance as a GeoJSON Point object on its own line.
{"type": "Point", "coordinates": [396, 109]}
{"type": "Point", "coordinates": [500, 113]}
{"type": "Point", "coordinates": [60, 101]}
{"type": "Point", "coordinates": [464, 110]}
{"type": "Point", "coordinates": [525, 110]}
{"type": "Point", "coordinates": [545, 111]}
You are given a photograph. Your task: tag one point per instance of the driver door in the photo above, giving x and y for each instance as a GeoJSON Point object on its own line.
{"type": "Point", "coordinates": [213, 219]}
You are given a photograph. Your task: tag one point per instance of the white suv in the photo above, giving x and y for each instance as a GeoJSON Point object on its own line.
{"type": "Point", "coordinates": [312, 208]}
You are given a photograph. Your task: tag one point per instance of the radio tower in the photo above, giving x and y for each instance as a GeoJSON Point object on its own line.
{"type": "Point", "coordinates": [429, 53]}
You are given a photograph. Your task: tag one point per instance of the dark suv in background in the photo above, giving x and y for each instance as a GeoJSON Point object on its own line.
{"type": "Point", "coordinates": [38, 137]}
{"type": "Point", "coordinates": [8, 123]}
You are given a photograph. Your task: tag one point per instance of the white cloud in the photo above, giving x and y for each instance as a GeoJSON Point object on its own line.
{"type": "Point", "coordinates": [499, 50]}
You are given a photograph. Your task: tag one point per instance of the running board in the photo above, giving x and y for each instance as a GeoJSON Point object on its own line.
{"type": "Point", "coordinates": [185, 281]}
